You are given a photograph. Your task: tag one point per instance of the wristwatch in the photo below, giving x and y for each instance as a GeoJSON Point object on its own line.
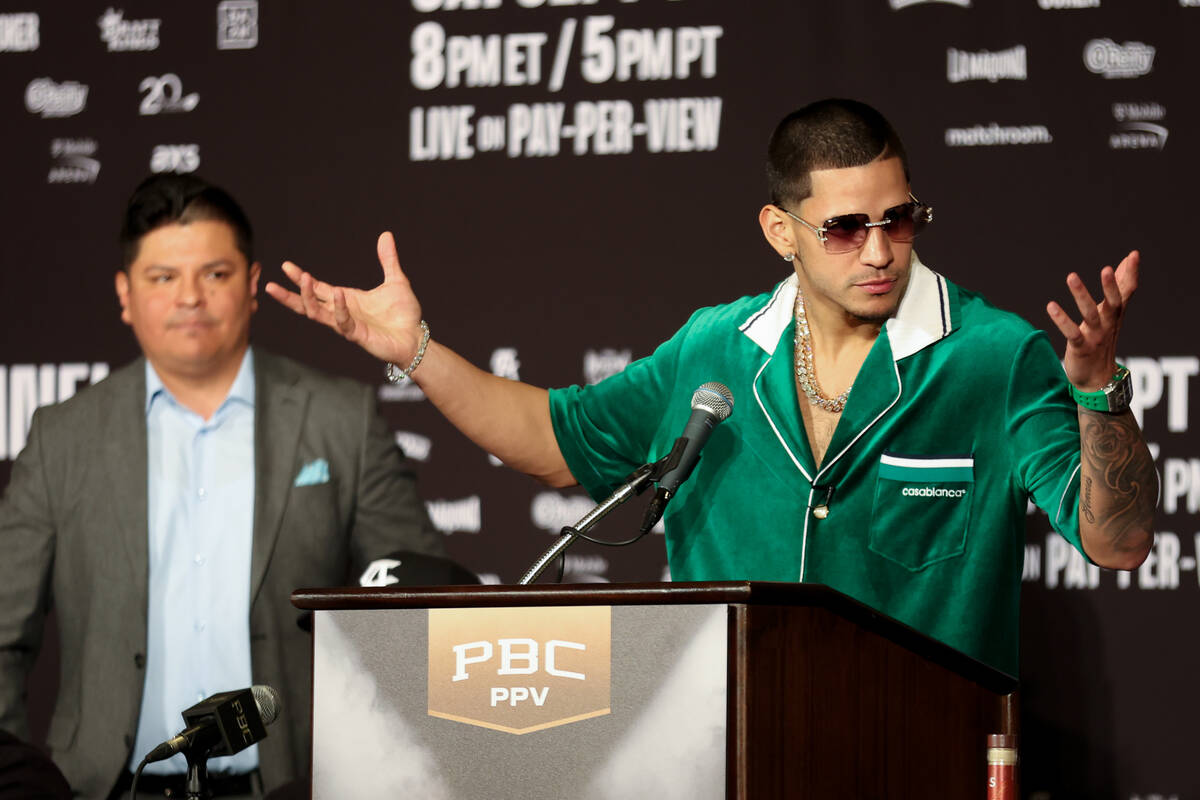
{"type": "Point", "coordinates": [1112, 398]}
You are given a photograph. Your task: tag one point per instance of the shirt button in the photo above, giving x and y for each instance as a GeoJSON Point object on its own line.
{"type": "Point", "coordinates": [202, 493]}
{"type": "Point", "coordinates": [199, 626]}
{"type": "Point", "coordinates": [139, 660]}
{"type": "Point", "coordinates": [199, 559]}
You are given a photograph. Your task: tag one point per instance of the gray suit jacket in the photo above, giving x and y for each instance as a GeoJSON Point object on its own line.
{"type": "Point", "coordinates": [73, 534]}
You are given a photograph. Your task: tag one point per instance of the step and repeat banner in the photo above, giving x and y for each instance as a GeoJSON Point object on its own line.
{"type": "Point", "coordinates": [568, 179]}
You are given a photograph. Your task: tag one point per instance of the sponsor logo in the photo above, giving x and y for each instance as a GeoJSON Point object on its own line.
{"type": "Point", "coordinates": [50, 99]}
{"type": "Point", "coordinates": [520, 670]}
{"type": "Point", "coordinates": [125, 35]}
{"type": "Point", "coordinates": [1138, 136]}
{"type": "Point", "coordinates": [237, 24]}
{"type": "Point", "coordinates": [406, 391]}
{"type": "Point", "coordinates": [164, 95]}
{"type": "Point", "coordinates": [552, 511]}
{"type": "Point", "coordinates": [1106, 57]}
{"type": "Point", "coordinates": [175, 158]}
{"type": "Point", "coordinates": [19, 33]}
{"type": "Point", "coordinates": [456, 516]}
{"type": "Point", "coordinates": [985, 65]}
{"type": "Point", "coordinates": [505, 363]}
{"type": "Point", "coordinates": [73, 161]}
{"type": "Point", "coordinates": [1049, 5]}
{"type": "Point", "coordinates": [994, 135]}
{"type": "Point", "coordinates": [586, 568]}
{"type": "Point", "coordinates": [379, 573]}
{"type": "Point", "coordinates": [1138, 111]}
{"type": "Point", "coordinates": [600, 364]}
{"type": "Point", "coordinates": [414, 445]}
{"type": "Point", "coordinates": [25, 387]}
{"type": "Point", "coordinates": [899, 4]}
{"type": "Point", "coordinates": [932, 491]}
{"type": "Point", "coordinates": [1138, 127]}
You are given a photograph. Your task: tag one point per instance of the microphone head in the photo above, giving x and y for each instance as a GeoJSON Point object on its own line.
{"type": "Point", "coordinates": [714, 398]}
{"type": "Point", "coordinates": [268, 702]}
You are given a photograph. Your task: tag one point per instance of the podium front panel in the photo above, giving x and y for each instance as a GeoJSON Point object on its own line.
{"type": "Point", "coordinates": [588, 702]}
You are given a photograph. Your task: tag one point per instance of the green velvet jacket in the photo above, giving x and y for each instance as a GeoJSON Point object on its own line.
{"type": "Point", "coordinates": [959, 415]}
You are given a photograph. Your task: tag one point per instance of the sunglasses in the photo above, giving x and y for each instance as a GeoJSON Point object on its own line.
{"type": "Point", "coordinates": [848, 232]}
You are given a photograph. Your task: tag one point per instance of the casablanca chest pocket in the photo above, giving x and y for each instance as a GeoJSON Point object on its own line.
{"type": "Point", "coordinates": [922, 508]}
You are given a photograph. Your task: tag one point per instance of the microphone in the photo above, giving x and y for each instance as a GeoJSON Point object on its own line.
{"type": "Point", "coordinates": [712, 402]}
{"type": "Point", "coordinates": [223, 724]}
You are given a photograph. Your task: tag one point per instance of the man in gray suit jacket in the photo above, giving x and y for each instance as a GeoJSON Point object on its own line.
{"type": "Point", "coordinates": [188, 494]}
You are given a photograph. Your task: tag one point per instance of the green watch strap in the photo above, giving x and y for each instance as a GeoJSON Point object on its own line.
{"type": "Point", "coordinates": [1112, 398]}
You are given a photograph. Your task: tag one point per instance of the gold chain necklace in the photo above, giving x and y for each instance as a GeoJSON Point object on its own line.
{"type": "Point", "coordinates": [806, 374]}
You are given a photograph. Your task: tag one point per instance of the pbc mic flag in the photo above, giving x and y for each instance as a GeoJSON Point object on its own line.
{"type": "Point", "coordinates": [224, 724]}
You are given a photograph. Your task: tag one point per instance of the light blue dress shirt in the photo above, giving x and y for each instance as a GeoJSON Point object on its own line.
{"type": "Point", "coordinates": [201, 520]}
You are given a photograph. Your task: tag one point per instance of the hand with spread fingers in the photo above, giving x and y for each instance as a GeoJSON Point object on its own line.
{"type": "Point", "coordinates": [384, 321]}
{"type": "Point", "coordinates": [1091, 356]}
{"type": "Point", "coordinates": [1118, 486]}
{"type": "Point", "coordinates": [508, 418]}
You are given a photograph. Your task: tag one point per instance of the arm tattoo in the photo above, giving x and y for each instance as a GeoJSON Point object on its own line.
{"type": "Point", "coordinates": [1085, 504]}
{"type": "Point", "coordinates": [1120, 486]}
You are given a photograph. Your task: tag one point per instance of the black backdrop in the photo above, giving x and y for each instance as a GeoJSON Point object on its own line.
{"type": "Point", "coordinates": [1050, 135]}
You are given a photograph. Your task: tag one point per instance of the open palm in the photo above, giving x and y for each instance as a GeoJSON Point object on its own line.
{"type": "Point", "coordinates": [383, 321]}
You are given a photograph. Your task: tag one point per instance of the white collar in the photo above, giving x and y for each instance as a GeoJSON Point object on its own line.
{"type": "Point", "coordinates": [922, 318]}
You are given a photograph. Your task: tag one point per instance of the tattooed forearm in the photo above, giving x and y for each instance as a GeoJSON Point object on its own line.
{"type": "Point", "coordinates": [1085, 504]}
{"type": "Point", "coordinates": [1120, 486]}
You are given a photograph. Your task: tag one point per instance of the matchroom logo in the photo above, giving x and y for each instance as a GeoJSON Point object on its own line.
{"type": "Point", "coordinates": [520, 670]}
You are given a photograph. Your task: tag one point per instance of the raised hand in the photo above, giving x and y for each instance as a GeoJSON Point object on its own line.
{"type": "Point", "coordinates": [384, 321]}
{"type": "Point", "coordinates": [1090, 360]}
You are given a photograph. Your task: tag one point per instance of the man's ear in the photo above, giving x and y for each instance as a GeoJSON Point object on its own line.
{"type": "Point", "coordinates": [255, 274]}
{"type": "Point", "coordinates": [121, 280]}
{"type": "Point", "coordinates": [777, 229]}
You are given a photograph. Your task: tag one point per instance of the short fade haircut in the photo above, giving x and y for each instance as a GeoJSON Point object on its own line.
{"type": "Point", "coordinates": [168, 199]}
{"type": "Point", "coordinates": [827, 134]}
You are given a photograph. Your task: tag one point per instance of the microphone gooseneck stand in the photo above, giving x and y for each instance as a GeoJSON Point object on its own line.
{"type": "Point", "coordinates": [196, 785]}
{"type": "Point", "coordinates": [637, 482]}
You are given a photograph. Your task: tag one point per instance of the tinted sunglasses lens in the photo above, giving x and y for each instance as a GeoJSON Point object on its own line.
{"type": "Point", "coordinates": [901, 225]}
{"type": "Point", "coordinates": [845, 233]}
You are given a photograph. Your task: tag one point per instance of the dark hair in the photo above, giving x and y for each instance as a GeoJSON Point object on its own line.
{"type": "Point", "coordinates": [827, 134]}
{"type": "Point", "coordinates": [169, 198]}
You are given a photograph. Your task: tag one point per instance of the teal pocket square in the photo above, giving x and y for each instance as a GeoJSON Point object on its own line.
{"type": "Point", "coordinates": [314, 472]}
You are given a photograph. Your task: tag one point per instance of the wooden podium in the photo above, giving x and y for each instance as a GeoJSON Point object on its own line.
{"type": "Point", "coordinates": [823, 697]}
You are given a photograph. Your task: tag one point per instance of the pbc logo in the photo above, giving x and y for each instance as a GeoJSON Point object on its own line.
{"type": "Point", "coordinates": [520, 670]}
{"type": "Point", "coordinates": [237, 24]}
{"type": "Point", "coordinates": [19, 33]}
{"type": "Point", "coordinates": [164, 94]}
{"type": "Point", "coordinates": [175, 158]}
